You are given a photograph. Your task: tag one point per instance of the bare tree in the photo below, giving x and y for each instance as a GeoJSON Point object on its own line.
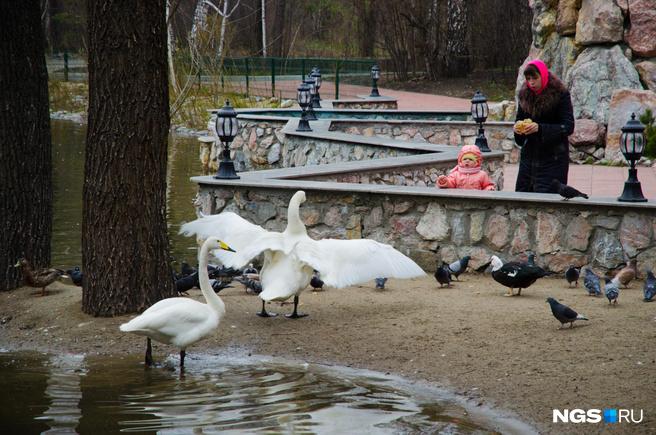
{"type": "Point", "coordinates": [125, 247]}
{"type": "Point", "coordinates": [457, 46]}
{"type": "Point", "coordinates": [225, 15]}
{"type": "Point", "coordinates": [264, 38]}
{"type": "Point", "coordinates": [25, 144]}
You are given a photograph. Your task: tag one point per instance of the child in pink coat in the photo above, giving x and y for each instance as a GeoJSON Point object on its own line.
{"type": "Point", "coordinates": [468, 173]}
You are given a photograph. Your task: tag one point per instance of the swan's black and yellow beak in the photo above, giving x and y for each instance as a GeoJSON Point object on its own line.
{"type": "Point", "coordinates": [225, 247]}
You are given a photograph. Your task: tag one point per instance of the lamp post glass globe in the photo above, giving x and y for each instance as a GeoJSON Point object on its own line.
{"type": "Point", "coordinates": [316, 76]}
{"type": "Point", "coordinates": [375, 75]}
{"type": "Point", "coordinates": [303, 96]}
{"type": "Point", "coordinates": [632, 144]}
{"type": "Point", "coordinates": [480, 112]}
{"type": "Point", "coordinates": [227, 127]}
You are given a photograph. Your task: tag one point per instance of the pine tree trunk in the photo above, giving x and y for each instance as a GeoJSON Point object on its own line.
{"type": "Point", "coordinates": [25, 144]}
{"type": "Point", "coordinates": [124, 233]}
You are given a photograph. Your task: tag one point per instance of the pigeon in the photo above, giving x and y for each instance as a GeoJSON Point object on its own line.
{"type": "Point", "coordinates": [567, 192]}
{"type": "Point", "coordinates": [186, 283]}
{"type": "Point", "coordinates": [251, 285]}
{"type": "Point", "coordinates": [219, 285]}
{"type": "Point", "coordinates": [223, 273]}
{"type": "Point", "coordinates": [515, 275]}
{"type": "Point", "coordinates": [572, 275]}
{"type": "Point", "coordinates": [459, 266]}
{"type": "Point", "coordinates": [76, 275]}
{"type": "Point", "coordinates": [627, 274]}
{"type": "Point", "coordinates": [649, 290]}
{"type": "Point", "coordinates": [442, 275]}
{"type": "Point", "coordinates": [591, 283]}
{"type": "Point", "coordinates": [186, 270]}
{"type": "Point", "coordinates": [612, 290]}
{"type": "Point", "coordinates": [316, 283]}
{"type": "Point", "coordinates": [250, 270]}
{"type": "Point", "coordinates": [531, 259]}
{"type": "Point", "coordinates": [564, 314]}
{"type": "Point", "coordinates": [380, 283]}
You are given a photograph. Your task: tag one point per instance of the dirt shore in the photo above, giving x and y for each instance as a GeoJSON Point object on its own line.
{"type": "Point", "coordinates": [497, 351]}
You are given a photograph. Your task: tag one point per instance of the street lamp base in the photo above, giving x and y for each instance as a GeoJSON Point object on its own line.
{"type": "Point", "coordinates": [481, 143]}
{"type": "Point", "coordinates": [374, 93]}
{"type": "Point", "coordinates": [303, 125]}
{"type": "Point", "coordinates": [226, 171]}
{"type": "Point", "coordinates": [632, 192]}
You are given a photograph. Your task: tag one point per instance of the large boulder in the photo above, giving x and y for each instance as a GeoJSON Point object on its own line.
{"type": "Point", "coordinates": [647, 72]}
{"type": "Point", "coordinates": [559, 53]}
{"type": "Point", "coordinates": [597, 72]}
{"type": "Point", "coordinates": [587, 132]}
{"type": "Point", "coordinates": [623, 103]}
{"type": "Point", "coordinates": [600, 22]}
{"type": "Point", "coordinates": [641, 35]}
{"type": "Point", "coordinates": [544, 20]}
{"type": "Point", "coordinates": [568, 15]}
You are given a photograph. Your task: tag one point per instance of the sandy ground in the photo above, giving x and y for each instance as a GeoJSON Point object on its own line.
{"type": "Point", "coordinates": [497, 351]}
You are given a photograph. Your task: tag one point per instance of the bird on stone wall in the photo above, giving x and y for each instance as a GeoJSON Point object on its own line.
{"type": "Point", "coordinates": [564, 314]}
{"type": "Point", "coordinates": [515, 275]}
{"type": "Point", "coordinates": [567, 192]}
{"type": "Point", "coordinates": [591, 282]}
{"type": "Point", "coordinates": [291, 257]}
{"type": "Point", "coordinates": [572, 275]}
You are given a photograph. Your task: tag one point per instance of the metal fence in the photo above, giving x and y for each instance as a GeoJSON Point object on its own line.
{"type": "Point", "coordinates": [262, 76]}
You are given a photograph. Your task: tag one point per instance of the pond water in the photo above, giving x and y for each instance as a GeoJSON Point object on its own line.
{"type": "Point", "coordinates": [68, 139]}
{"type": "Point", "coordinates": [73, 394]}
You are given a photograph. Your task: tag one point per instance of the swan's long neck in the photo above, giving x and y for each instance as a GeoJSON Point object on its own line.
{"type": "Point", "coordinates": [294, 223]}
{"type": "Point", "coordinates": [213, 300]}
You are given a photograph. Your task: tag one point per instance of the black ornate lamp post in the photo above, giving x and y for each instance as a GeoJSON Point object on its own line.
{"type": "Point", "coordinates": [480, 111]}
{"type": "Point", "coordinates": [375, 75]}
{"type": "Point", "coordinates": [227, 128]}
{"type": "Point", "coordinates": [309, 82]}
{"type": "Point", "coordinates": [316, 75]}
{"type": "Point", "coordinates": [303, 97]}
{"type": "Point", "coordinates": [632, 143]}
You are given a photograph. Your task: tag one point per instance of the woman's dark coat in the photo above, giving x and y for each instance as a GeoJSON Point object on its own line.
{"type": "Point", "coordinates": [545, 154]}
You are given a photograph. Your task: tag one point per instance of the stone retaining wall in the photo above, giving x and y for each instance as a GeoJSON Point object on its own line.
{"type": "Point", "coordinates": [424, 175]}
{"type": "Point", "coordinates": [499, 134]}
{"type": "Point", "coordinates": [430, 227]}
{"type": "Point", "coordinates": [366, 104]}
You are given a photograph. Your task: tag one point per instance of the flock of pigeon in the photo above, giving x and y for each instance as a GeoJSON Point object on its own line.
{"type": "Point", "coordinates": [521, 275]}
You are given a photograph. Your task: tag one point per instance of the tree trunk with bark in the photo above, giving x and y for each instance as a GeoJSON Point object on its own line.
{"type": "Point", "coordinates": [457, 46]}
{"type": "Point", "coordinates": [25, 144]}
{"type": "Point", "coordinates": [125, 247]}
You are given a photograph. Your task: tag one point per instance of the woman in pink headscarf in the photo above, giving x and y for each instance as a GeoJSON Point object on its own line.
{"type": "Point", "coordinates": [544, 121]}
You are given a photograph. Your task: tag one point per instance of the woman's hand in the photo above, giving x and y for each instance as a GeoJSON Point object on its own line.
{"type": "Point", "coordinates": [532, 128]}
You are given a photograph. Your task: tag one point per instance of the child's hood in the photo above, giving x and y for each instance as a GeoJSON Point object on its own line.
{"type": "Point", "coordinates": [470, 149]}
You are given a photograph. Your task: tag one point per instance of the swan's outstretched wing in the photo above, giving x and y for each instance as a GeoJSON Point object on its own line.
{"type": "Point", "coordinates": [348, 262]}
{"type": "Point", "coordinates": [249, 240]}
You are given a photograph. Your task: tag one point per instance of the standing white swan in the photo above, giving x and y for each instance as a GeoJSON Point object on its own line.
{"type": "Point", "coordinates": [291, 256]}
{"type": "Point", "coordinates": [182, 321]}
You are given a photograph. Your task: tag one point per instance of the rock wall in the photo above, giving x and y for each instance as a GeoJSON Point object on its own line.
{"type": "Point", "coordinates": [365, 104]}
{"type": "Point", "coordinates": [598, 47]}
{"type": "Point", "coordinates": [428, 228]}
{"type": "Point", "coordinates": [499, 134]}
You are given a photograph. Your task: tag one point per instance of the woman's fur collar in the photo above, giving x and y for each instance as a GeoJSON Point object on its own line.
{"type": "Point", "coordinates": [538, 105]}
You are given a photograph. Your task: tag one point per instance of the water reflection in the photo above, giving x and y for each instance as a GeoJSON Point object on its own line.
{"type": "Point", "coordinates": [68, 142]}
{"type": "Point", "coordinates": [218, 395]}
{"type": "Point", "coordinates": [64, 393]}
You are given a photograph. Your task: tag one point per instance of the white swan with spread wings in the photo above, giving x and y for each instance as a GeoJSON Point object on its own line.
{"type": "Point", "coordinates": [291, 257]}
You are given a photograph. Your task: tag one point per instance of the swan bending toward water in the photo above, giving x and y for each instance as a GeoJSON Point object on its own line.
{"type": "Point", "coordinates": [182, 321]}
{"type": "Point", "coordinates": [291, 257]}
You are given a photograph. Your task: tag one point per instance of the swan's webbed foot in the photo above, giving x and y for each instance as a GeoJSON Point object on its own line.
{"type": "Point", "coordinates": [295, 314]}
{"type": "Point", "coordinates": [265, 313]}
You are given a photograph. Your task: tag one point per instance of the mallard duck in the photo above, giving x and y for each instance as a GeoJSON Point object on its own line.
{"type": "Point", "coordinates": [182, 321]}
{"type": "Point", "coordinates": [40, 278]}
{"type": "Point", "coordinates": [291, 257]}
